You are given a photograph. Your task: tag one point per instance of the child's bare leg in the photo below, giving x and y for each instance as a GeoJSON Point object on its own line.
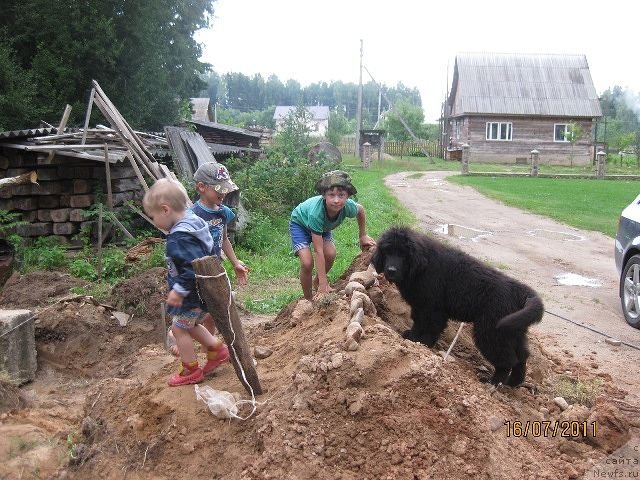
{"type": "Point", "coordinates": [184, 342]}
{"type": "Point", "coordinates": [329, 255]}
{"type": "Point", "coordinates": [171, 343]}
{"type": "Point", "coordinates": [209, 324]}
{"type": "Point", "coordinates": [204, 337]}
{"type": "Point", "coordinates": [306, 269]}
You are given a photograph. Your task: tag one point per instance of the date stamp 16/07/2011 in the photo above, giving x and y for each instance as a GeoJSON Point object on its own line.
{"type": "Point", "coordinates": [550, 428]}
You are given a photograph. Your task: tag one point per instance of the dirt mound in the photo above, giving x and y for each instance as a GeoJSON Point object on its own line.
{"type": "Point", "coordinates": [143, 294]}
{"type": "Point", "coordinates": [391, 409]}
{"type": "Point", "coordinates": [36, 289]}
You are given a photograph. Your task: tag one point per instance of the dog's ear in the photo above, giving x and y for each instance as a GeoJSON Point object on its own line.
{"type": "Point", "coordinates": [415, 256]}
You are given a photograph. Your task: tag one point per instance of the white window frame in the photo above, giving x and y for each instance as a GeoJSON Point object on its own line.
{"type": "Point", "coordinates": [566, 132]}
{"type": "Point", "coordinates": [507, 126]}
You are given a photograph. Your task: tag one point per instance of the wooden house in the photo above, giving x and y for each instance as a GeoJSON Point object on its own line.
{"type": "Point", "coordinates": [506, 105]}
{"type": "Point", "coordinates": [318, 122]}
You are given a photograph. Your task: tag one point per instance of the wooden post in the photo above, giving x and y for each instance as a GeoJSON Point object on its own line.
{"type": "Point", "coordinates": [465, 159]}
{"type": "Point", "coordinates": [163, 324]}
{"type": "Point", "coordinates": [107, 172]}
{"type": "Point", "coordinates": [87, 116]}
{"type": "Point", "coordinates": [535, 156]}
{"type": "Point", "coordinates": [215, 291]}
{"type": "Point", "coordinates": [100, 242]}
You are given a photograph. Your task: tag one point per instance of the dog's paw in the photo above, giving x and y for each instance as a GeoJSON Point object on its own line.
{"type": "Point", "coordinates": [407, 334]}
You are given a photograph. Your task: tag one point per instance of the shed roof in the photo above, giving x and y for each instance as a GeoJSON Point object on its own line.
{"type": "Point", "coordinates": [319, 112]}
{"type": "Point", "coordinates": [520, 84]}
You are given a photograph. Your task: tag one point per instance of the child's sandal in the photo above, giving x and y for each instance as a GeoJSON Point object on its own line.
{"type": "Point", "coordinates": [188, 375]}
{"type": "Point", "coordinates": [215, 358]}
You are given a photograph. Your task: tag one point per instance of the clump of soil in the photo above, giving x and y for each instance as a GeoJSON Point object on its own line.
{"type": "Point", "coordinates": [10, 397]}
{"type": "Point", "coordinates": [142, 294]}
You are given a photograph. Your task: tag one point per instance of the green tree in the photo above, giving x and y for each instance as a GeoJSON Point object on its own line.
{"type": "Point", "coordinates": [142, 53]}
{"type": "Point", "coordinates": [339, 126]}
{"type": "Point", "coordinates": [413, 117]}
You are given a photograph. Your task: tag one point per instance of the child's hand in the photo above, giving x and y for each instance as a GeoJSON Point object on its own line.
{"type": "Point", "coordinates": [324, 288]}
{"type": "Point", "coordinates": [241, 273]}
{"type": "Point", "coordinates": [366, 242]}
{"type": "Point", "coordinates": [174, 299]}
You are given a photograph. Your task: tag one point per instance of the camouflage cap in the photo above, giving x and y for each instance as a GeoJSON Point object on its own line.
{"type": "Point", "coordinates": [335, 178]}
{"type": "Point", "coordinates": [216, 175]}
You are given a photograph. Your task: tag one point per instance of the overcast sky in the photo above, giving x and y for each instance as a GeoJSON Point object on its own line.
{"type": "Point", "coordinates": [414, 41]}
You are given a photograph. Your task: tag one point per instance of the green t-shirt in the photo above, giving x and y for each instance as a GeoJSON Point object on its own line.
{"type": "Point", "coordinates": [312, 214]}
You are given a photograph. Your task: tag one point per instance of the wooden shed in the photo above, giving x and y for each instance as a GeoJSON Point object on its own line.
{"type": "Point", "coordinates": [506, 105]}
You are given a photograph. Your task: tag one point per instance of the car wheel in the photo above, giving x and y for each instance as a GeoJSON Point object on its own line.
{"type": "Point", "coordinates": [630, 289]}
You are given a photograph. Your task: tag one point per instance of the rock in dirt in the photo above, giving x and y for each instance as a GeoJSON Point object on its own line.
{"type": "Point", "coordinates": [261, 352]}
{"type": "Point", "coordinates": [561, 402]}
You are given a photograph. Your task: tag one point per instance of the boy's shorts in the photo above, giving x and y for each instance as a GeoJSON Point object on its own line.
{"type": "Point", "coordinates": [301, 237]}
{"type": "Point", "coordinates": [189, 318]}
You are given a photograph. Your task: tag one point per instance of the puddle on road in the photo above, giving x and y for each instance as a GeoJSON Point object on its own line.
{"type": "Point", "coordinates": [573, 279]}
{"type": "Point", "coordinates": [462, 232]}
{"type": "Point", "coordinates": [555, 235]}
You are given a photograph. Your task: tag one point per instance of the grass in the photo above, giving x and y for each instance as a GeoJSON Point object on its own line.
{"type": "Point", "coordinates": [586, 204]}
{"type": "Point", "coordinates": [577, 391]}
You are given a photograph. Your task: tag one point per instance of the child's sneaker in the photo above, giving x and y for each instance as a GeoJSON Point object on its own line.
{"type": "Point", "coordinates": [188, 375]}
{"type": "Point", "coordinates": [215, 358]}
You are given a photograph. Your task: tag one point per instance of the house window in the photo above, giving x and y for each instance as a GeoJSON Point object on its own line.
{"type": "Point", "coordinates": [561, 132]}
{"type": "Point", "coordinates": [499, 131]}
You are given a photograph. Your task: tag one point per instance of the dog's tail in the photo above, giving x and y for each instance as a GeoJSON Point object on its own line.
{"type": "Point", "coordinates": [531, 313]}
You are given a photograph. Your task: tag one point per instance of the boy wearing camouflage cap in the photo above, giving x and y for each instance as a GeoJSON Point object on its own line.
{"type": "Point", "coordinates": [313, 220]}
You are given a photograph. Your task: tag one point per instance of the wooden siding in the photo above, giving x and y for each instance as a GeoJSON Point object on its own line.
{"type": "Point", "coordinates": [527, 134]}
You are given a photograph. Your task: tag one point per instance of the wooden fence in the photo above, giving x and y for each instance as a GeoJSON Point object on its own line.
{"type": "Point", "coordinates": [347, 145]}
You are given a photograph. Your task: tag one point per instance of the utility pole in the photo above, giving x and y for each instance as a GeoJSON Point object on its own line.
{"type": "Point", "coordinates": [359, 111]}
{"type": "Point", "coordinates": [379, 103]}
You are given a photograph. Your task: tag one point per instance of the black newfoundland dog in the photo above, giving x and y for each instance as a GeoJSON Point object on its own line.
{"type": "Point", "coordinates": [442, 283]}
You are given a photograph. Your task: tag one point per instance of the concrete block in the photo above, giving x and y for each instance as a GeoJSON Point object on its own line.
{"type": "Point", "coordinates": [24, 203]}
{"type": "Point", "coordinates": [44, 215]}
{"type": "Point", "coordinates": [65, 228]}
{"type": "Point", "coordinates": [120, 198]}
{"type": "Point", "coordinates": [50, 201]}
{"type": "Point", "coordinates": [17, 346]}
{"type": "Point", "coordinates": [80, 201]}
{"type": "Point", "coordinates": [47, 174]}
{"type": "Point", "coordinates": [34, 229]}
{"type": "Point", "coordinates": [125, 184]}
{"type": "Point", "coordinates": [67, 171]}
{"type": "Point", "coordinates": [60, 215]}
{"type": "Point", "coordinates": [81, 185]}
{"type": "Point", "coordinates": [76, 215]}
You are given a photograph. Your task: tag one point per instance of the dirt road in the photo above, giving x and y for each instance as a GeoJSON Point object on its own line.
{"type": "Point", "coordinates": [538, 251]}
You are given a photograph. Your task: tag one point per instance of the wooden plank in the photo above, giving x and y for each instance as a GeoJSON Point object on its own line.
{"type": "Point", "coordinates": [121, 131]}
{"type": "Point", "coordinates": [61, 127]}
{"type": "Point", "coordinates": [88, 115]}
{"type": "Point", "coordinates": [126, 130]}
{"type": "Point", "coordinates": [143, 182]}
{"type": "Point", "coordinates": [179, 152]}
{"type": "Point", "coordinates": [215, 290]}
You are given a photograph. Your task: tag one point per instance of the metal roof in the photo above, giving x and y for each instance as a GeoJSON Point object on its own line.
{"type": "Point", "coordinates": [29, 132]}
{"type": "Point", "coordinates": [318, 112]}
{"type": "Point", "coordinates": [517, 84]}
{"type": "Point", "coordinates": [226, 128]}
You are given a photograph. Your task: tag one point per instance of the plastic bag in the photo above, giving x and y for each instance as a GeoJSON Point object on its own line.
{"type": "Point", "coordinates": [222, 404]}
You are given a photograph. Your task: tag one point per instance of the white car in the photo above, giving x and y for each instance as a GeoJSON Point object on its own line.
{"type": "Point", "coordinates": [627, 254]}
